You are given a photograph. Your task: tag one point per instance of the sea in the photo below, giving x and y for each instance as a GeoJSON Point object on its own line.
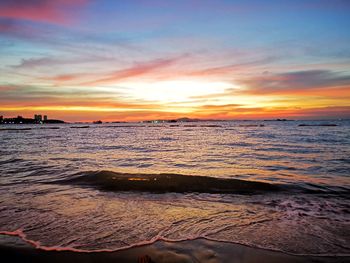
{"type": "Point", "coordinates": [277, 185]}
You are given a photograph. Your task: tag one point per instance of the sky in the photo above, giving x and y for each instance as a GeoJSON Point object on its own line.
{"type": "Point", "coordinates": [85, 60]}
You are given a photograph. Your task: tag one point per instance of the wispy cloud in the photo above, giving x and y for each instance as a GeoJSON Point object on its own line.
{"type": "Point", "coordinates": [139, 69]}
{"type": "Point", "coordinates": [290, 82]}
{"type": "Point", "coordinates": [31, 96]}
{"type": "Point", "coordinates": [232, 69]}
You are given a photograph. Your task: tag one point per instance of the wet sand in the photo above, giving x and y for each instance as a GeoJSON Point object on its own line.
{"type": "Point", "coordinates": [199, 250]}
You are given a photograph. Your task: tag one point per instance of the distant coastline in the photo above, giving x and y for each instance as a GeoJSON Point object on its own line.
{"type": "Point", "coordinates": [36, 120]}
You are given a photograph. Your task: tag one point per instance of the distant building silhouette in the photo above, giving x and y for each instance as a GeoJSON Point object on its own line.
{"type": "Point", "coordinates": [38, 118]}
{"type": "Point", "coordinates": [21, 120]}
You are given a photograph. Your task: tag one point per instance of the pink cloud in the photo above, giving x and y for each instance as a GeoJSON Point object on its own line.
{"type": "Point", "coordinates": [56, 12]}
{"type": "Point", "coordinates": [136, 70]}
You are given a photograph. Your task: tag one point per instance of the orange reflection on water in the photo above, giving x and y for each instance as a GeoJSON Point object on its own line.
{"type": "Point", "coordinates": [138, 179]}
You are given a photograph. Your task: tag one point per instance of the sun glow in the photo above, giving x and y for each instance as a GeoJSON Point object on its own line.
{"type": "Point", "coordinates": [174, 90]}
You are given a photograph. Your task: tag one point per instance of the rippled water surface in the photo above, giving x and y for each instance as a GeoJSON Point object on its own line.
{"type": "Point", "coordinates": [61, 184]}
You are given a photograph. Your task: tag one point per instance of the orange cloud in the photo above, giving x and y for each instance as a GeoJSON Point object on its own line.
{"type": "Point", "coordinates": [236, 112]}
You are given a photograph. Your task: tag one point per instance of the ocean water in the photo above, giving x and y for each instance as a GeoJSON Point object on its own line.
{"type": "Point", "coordinates": [106, 187]}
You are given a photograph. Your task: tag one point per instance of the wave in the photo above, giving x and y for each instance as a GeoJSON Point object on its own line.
{"type": "Point", "coordinates": [15, 129]}
{"type": "Point", "coordinates": [80, 127]}
{"type": "Point", "coordinates": [19, 233]}
{"type": "Point", "coordinates": [162, 183]}
{"type": "Point", "coordinates": [180, 183]}
{"type": "Point", "coordinates": [36, 244]}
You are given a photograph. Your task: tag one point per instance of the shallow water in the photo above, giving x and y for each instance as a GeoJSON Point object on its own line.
{"type": "Point", "coordinates": [56, 184]}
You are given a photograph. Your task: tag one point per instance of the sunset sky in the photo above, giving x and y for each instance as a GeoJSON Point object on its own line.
{"type": "Point", "coordinates": [83, 60]}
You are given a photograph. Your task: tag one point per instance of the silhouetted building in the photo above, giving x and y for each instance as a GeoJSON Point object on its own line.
{"type": "Point", "coordinates": [38, 118]}
{"type": "Point", "coordinates": [19, 120]}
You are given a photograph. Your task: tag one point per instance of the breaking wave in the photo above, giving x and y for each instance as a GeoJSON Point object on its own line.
{"type": "Point", "coordinates": [162, 183]}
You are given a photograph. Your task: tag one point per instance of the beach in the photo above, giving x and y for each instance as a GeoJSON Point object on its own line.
{"type": "Point", "coordinates": [199, 250]}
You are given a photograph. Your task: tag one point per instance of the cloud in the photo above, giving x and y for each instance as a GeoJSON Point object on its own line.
{"type": "Point", "coordinates": [88, 77]}
{"type": "Point", "coordinates": [232, 68]}
{"type": "Point", "coordinates": [73, 104]}
{"type": "Point", "coordinates": [295, 81]}
{"type": "Point", "coordinates": [138, 69]}
{"type": "Point", "coordinates": [35, 62]}
{"type": "Point", "coordinates": [229, 111]}
{"type": "Point", "coordinates": [9, 27]}
{"type": "Point", "coordinates": [225, 107]}
{"type": "Point", "coordinates": [243, 113]}
{"type": "Point", "coordinates": [27, 96]}
{"type": "Point", "coordinates": [6, 88]}
{"type": "Point", "coordinates": [325, 112]}
{"type": "Point", "coordinates": [6, 26]}
{"type": "Point", "coordinates": [48, 11]}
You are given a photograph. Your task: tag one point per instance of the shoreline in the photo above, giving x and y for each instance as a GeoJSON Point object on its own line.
{"type": "Point", "coordinates": [197, 250]}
